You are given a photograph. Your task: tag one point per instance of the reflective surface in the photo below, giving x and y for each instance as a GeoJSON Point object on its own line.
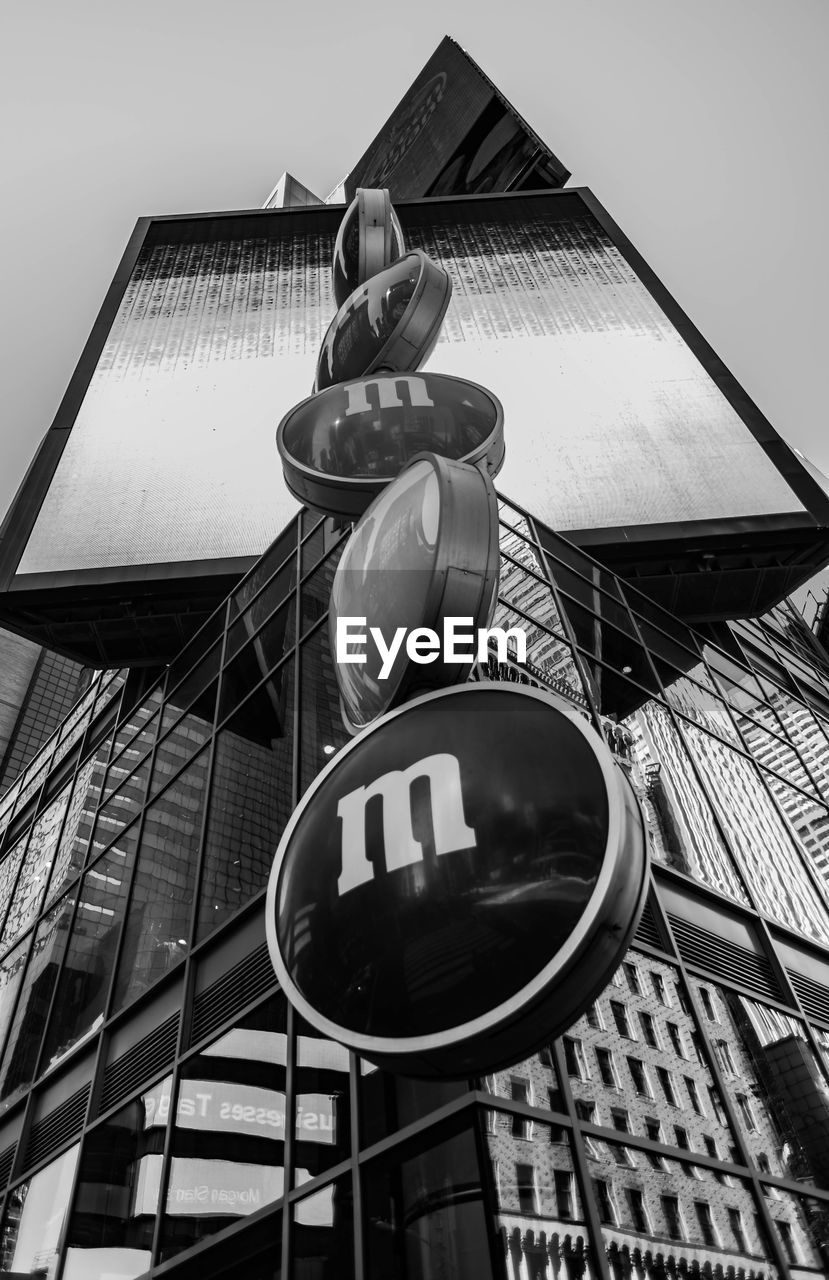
{"type": "Point", "coordinates": [367, 917]}
{"type": "Point", "coordinates": [390, 322]}
{"type": "Point", "coordinates": [340, 447]}
{"type": "Point", "coordinates": [369, 238]}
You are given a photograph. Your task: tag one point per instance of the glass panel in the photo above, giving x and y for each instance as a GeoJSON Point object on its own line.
{"type": "Point", "coordinates": [276, 593]}
{"type": "Point", "coordinates": [547, 655]}
{"type": "Point", "coordinates": [390, 1102]}
{"type": "Point", "coordinates": [84, 983]}
{"type": "Point", "coordinates": [702, 705]}
{"type": "Point", "coordinates": [31, 884]}
{"type": "Point", "coordinates": [523, 582]}
{"type": "Point", "coordinates": [129, 759]}
{"type": "Point", "coordinates": [678, 1211]}
{"type": "Point", "coordinates": [158, 923]}
{"type": "Point", "coordinates": [196, 693]}
{"type": "Point", "coordinates": [533, 1081]}
{"type": "Point", "coordinates": [111, 1228]}
{"type": "Point", "coordinates": [250, 799]}
{"type": "Point", "coordinates": [9, 869]}
{"type": "Point", "coordinates": [426, 1215]}
{"type": "Point", "coordinates": [805, 1235]}
{"type": "Point", "coordinates": [773, 753]}
{"type": "Point", "coordinates": [758, 836]}
{"type": "Point", "coordinates": [322, 730]}
{"type": "Point", "coordinates": [228, 1145]}
{"type": "Point", "coordinates": [775, 1083]}
{"type": "Point", "coordinates": [809, 822]}
{"type": "Point", "coordinates": [316, 589]}
{"type": "Point", "coordinates": [634, 1064]}
{"type": "Point", "coordinates": [257, 659]}
{"type": "Point", "coordinates": [120, 809]}
{"type": "Point", "coordinates": [180, 745]}
{"type": "Point", "coordinates": [276, 555]}
{"type": "Point", "coordinates": [681, 826]}
{"type": "Point", "coordinates": [323, 1234]}
{"type": "Point", "coordinates": [11, 971]}
{"type": "Point", "coordinates": [509, 516]}
{"type": "Point", "coordinates": [539, 1215]}
{"type": "Point", "coordinates": [22, 1049]}
{"type": "Point", "coordinates": [321, 1105]}
{"type": "Point", "coordinates": [136, 722]}
{"type": "Point", "coordinates": [34, 1219]}
{"type": "Point", "coordinates": [77, 829]}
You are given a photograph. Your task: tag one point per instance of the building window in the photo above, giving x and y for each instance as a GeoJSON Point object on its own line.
{"type": "Point", "coordinates": [564, 1193]}
{"type": "Point", "coordinates": [675, 1037]}
{"type": "Point", "coordinates": [604, 1201]}
{"type": "Point", "coordinates": [575, 1059]}
{"type": "Point", "coordinates": [693, 1094]}
{"type": "Point", "coordinates": [639, 1076]}
{"type": "Point", "coordinates": [746, 1112]}
{"type": "Point", "coordinates": [586, 1111]}
{"type": "Point", "coordinates": [723, 1051]}
{"type": "Point", "coordinates": [638, 1213]}
{"type": "Point", "coordinates": [520, 1092]}
{"type": "Point", "coordinates": [706, 1222]}
{"type": "Point", "coordinates": [594, 1018]}
{"type": "Point", "coordinates": [788, 1242]}
{"type": "Point", "coordinates": [620, 1017]}
{"type": "Point", "coordinates": [660, 988]}
{"type": "Point", "coordinates": [525, 1182]}
{"type": "Point", "coordinates": [708, 1004]}
{"type": "Point", "coordinates": [666, 1080]}
{"type": "Point", "coordinates": [632, 975]}
{"type": "Point", "coordinates": [716, 1106]}
{"type": "Point", "coordinates": [653, 1128]}
{"type": "Point", "coordinates": [607, 1068]}
{"type": "Point", "coordinates": [681, 1137]}
{"type": "Point", "coordinates": [673, 1219]}
{"type": "Point", "coordinates": [735, 1221]}
{"type": "Point", "coordinates": [648, 1026]}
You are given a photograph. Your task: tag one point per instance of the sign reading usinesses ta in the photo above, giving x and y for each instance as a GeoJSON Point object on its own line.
{"type": "Point", "coordinates": [459, 883]}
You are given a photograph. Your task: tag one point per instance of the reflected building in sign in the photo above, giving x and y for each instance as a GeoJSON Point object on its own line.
{"type": "Point", "coordinates": [163, 1111]}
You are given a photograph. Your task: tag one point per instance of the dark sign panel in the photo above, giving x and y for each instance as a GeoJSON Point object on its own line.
{"type": "Point", "coordinates": [340, 448]}
{"type": "Point", "coordinates": [459, 883]}
{"type": "Point", "coordinates": [424, 552]}
{"type": "Point", "coordinates": [454, 134]}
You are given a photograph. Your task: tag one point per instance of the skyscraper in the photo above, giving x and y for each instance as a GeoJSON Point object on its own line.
{"type": "Point", "coordinates": [162, 1108]}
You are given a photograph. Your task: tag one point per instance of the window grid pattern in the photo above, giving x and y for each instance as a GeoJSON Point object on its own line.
{"type": "Point", "coordinates": [136, 879]}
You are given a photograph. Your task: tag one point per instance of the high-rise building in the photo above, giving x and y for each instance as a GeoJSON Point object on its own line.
{"type": "Point", "coordinates": [163, 1110]}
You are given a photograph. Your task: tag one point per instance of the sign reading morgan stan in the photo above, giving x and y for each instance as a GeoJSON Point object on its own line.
{"type": "Point", "coordinates": [459, 883]}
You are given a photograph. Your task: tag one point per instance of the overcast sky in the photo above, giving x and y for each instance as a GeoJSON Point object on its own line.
{"type": "Point", "coordinates": [702, 126]}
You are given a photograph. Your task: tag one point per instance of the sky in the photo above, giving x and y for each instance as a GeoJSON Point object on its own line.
{"type": "Point", "coordinates": [701, 126]}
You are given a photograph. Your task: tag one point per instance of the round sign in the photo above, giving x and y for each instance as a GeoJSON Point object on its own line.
{"type": "Point", "coordinates": [341, 447]}
{"type": "Point", "coordinates": [369, 239]}
{"type": "Point", "coordinates": [424, 554]}
{"type": "Point", "coordinates": [459, 884]}
{"type": "Point", "coordinates": [390, 322]}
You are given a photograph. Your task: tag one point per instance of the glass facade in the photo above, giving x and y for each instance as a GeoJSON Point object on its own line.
{"type": "Point", "coordinates": [162, 1108]}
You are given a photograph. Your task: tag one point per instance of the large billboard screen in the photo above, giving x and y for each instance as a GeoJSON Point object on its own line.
{"type": "Point", "coordinates": [622, 429]}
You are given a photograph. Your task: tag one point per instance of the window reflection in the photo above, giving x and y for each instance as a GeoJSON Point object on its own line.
{"type": "Point", "coordinates": [323, 1236]}
{"type": "Point", "coordinates": [34, 874]}
{"type": "Point", "coordinates": [390, 1102]}
{"type": "Point", "coordinates": [228, 1146]}
{"type": "Point", "coordinates": [675, 1219]}
{"type": "Point", "coordinates": [778, 1088]}
{"type": "Point", "coordinates": [250, 799]}
{"type": "Point", "coordinates": [539, 1216]}
{"type": "Point", "coordinates": [113, 1217]}
{"type": "Point", "coordinates": [638, 1051]}
{"type": "Point", "coordinates": [321, 1104]}
{"type": "Point", "coordinates": [425, 1214]}
{"type": "Point", "coordinates": [77, 829]}
{"type": "Point", "coordinates": [34, 1218]}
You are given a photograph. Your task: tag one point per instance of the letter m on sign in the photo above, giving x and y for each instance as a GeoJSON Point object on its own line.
{"type": "Point", "coordinates": [451, 832]}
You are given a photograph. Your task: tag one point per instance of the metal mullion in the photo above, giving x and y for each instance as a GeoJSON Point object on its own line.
{"type": "Point", "coordinates": [725, 1100]}
{"type": "Point", "coordinates": [139, 831]}
{"type": "Point", "coordinates": [581, 1167]}
{"type": "Point", "coordinates": [700, 780]}
{"type": "Point", "coordinates": [188, 979]}
{"type": "Point", "coordinates": [95, 1082]}
{"type": "Point", "coordinates": [288, 1152]}
{"type": "Point", "coordinates": [406, 1136]}
{"type": "Point", "coordinates": [359, 1250]}
{"type": "Point", "coordinates": [489, 1197]}
{"type": "Point", "coordinates": [224, 720]}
